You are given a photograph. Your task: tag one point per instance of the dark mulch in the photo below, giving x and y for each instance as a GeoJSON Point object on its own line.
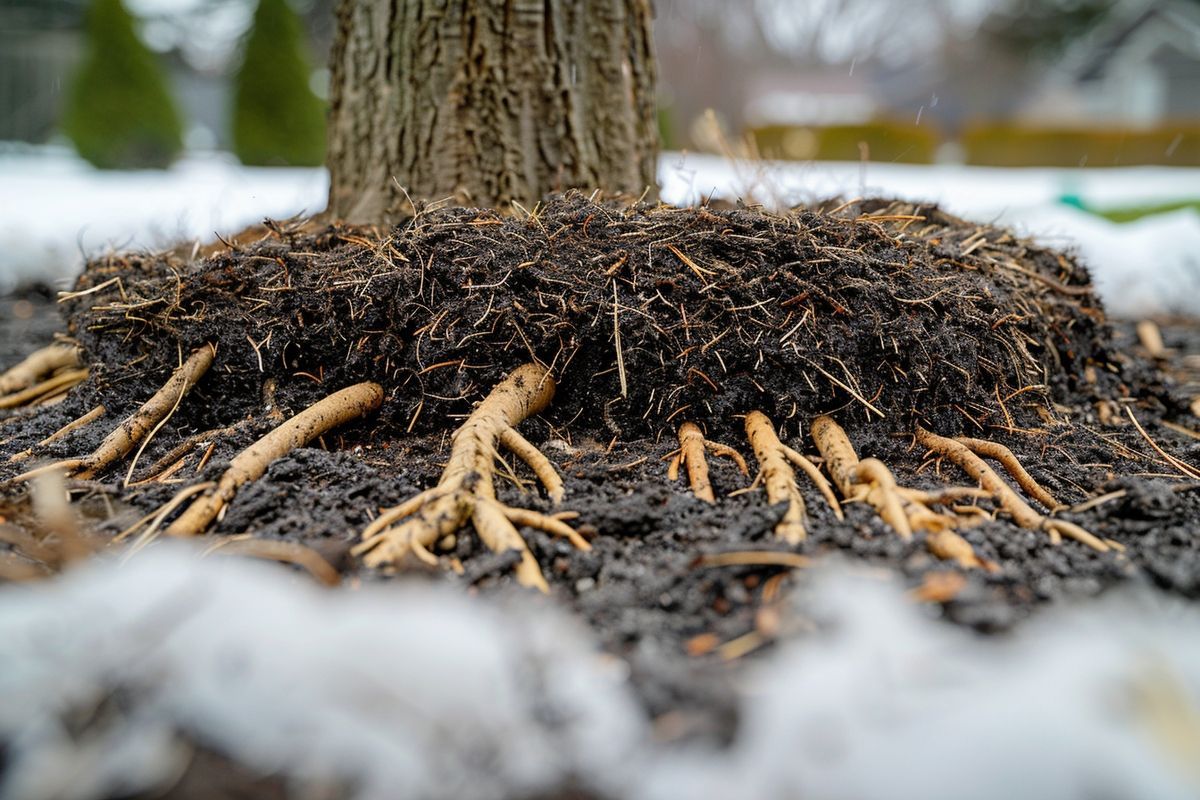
{"type": "Point", "coordinates": [885, 315]}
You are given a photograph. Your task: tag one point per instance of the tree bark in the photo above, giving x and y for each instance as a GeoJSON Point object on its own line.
{"type": "Point", "coordinates": [488, 101]}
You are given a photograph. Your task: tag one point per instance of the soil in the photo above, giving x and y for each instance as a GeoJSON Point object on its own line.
{"type": "Point", "coordinates": [885, 315]}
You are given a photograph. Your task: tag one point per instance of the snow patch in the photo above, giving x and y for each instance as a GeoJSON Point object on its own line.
{"type": "Point", "coordinates": [397, 691]}
{"type": "Point", "coordinates": [417, 691]}
{"type": "Point", "coordinates": [1099, 700]}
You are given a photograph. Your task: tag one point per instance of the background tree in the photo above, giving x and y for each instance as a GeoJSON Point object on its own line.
{"type": "Point", "coordinates": [489, 102]}
{"type": "Point", "coordinates": [119, 111]}
{"type": "Point", "coordinates": [277, 119]}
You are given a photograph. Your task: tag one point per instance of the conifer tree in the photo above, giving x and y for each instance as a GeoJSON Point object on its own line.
{"type": "Point", "coordinates": [119, 111]}
{"type": "Point", "coordinates": [277, 119]}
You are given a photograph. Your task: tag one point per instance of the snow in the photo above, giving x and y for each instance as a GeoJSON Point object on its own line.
{"type": "Point", "coordinates": [413, 690]}
{"type": "Point", "coordinates": [886, 704]}
{"type": "Point", "coordinates": [402, 692]}
{"type": "Point", "coordinates": [54, 209]}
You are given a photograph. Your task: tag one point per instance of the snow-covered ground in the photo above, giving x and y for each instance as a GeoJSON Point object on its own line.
{"type": "Point", "coordinates": [54, 208]}
{"type": "Point", "coordinates": [414, 691]}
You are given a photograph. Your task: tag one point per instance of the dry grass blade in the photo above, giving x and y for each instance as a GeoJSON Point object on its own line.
{"type": "Point", "coordinates": [1187, 469]}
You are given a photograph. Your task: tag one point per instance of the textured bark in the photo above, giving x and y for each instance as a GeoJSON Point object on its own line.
{"type": "Point", "coordinates": [488, 101]}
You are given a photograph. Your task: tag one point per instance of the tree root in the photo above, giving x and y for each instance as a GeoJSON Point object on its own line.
{"type": "Point", "coordinates": [276, 550]}
{"type": "Point", "coordinates": [692, 447]}
{"type": "Point", "coordinates": [777, 475]}
{"type": "Point", "coordinates": [1021, 512]}
{"type": "Point", "coordinates": [249, 465]}
{"type": "Point", "coordinates": [36, 366]}
{"type": "Point", "coordinates": [466, 490]}
{"type": "Point", "coordinates": [121, 441]}
{"type": "Point", "coordinates": [904, 510]}
{"type": "Point", "coordinates": [48, 389]}
{"type": "Point", "coordinates": [63, 432]}
{"type": "Point", "coordinates": [1012, 466]}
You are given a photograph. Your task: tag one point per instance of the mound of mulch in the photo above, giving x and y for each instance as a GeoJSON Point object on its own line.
{"type": "Point", "coordinates": [886, 315]}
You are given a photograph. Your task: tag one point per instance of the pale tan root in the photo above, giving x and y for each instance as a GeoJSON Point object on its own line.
{"type": "Point", "coordinates": [63, 432]}
{"type": "Point", "coordinates": [1150, 336]}
{"type": "Point", "coordinates": [467, 492]}
{"type": "Point", "coordinates": [904, 510]}
{"type": "Point", "coordinates": [250, 464]}
{"type": "Point", "coordinates": [1021, 512]}
{"type": "Point", "coordinates": [883, 496]}
{"type": "Point", "coordinates": [36, 366]}
{"type": "Point", "coordinates": [943, 497]}
{"type": "Point", "coordinates": [692, 449]}
{"type": "Point", "coordinates": [814, 474]}
{"type": "Point", "coordinates": [840, 458]}
{"type": "Point", "coordinates": [949, 546]}
{"type": "Point", "coordinates": [126, 436]}
{"type": "Point", "coordinates": [777, 476]}
{"type": "Point", "coordinates": [14, 568]}
{"type": "Point", "coordinates": [541, 466]}
{"type": "Point", "coordinates": [49, 388]}
{"type": "Point", "coordinates": [275, 550]}
{"type": "Point", "coordinates": [1012, 466]}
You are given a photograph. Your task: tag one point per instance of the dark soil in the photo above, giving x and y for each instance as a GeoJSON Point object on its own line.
{"type": "Point", "coordinates": [885, 315]}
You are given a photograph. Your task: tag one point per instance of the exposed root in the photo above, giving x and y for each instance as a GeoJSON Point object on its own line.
{"type": "Point", "coordinates": [871, 481]}
{"type": "Point", "coordinates": [1013, 467]}
{"type": "Point", "coordinates": [36, 366]}
{"type": "Point", "coordinates": [777, 476]}
{"type": "Point", "coordinates": [1021, 512]}
{"type": "Point", "coordinates": [277, 550]}
{"type": "Point", "coordinates": [466, 490]}
{"type": "Point", "coordinates": [171, 461]}
{"type": "Point", "coordinates": [541, 466]}
{"type": "Point", "coordinates": [883, 495]}
{"type": "Point", "coordinates": [126, 436]}
{"type": "Point", "coordinates": [692, 447]}
{"type": "Point", "coordinates": [904, 510]}
{"type": "Point", "coordinates": [249, 465]}
{"type": "Point", "coordinates": [48, 389]}
{"type": "Point", "coordinates": [839, 455]}
{"type": "Point", "coordinates": [63, 432]}
{"type": "Point", "coordinates": [949, 546]}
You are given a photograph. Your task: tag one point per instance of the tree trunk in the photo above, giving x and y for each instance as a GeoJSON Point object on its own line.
{"type": "Point", "coordinates": [488, 101]}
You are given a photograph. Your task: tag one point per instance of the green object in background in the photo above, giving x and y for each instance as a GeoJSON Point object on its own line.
{"type": "Point", "coordinates": [880, 140]}
{"type": "Point", "coordinates": [277, 119]}
{"type": "Point", "coordinates": [119, 111]}
{"type": "Point", "coordinates": [1134, 213]}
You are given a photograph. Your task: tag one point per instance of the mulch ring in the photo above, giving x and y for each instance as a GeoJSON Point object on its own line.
{"type": "Point", "coordinates": [886, 316]}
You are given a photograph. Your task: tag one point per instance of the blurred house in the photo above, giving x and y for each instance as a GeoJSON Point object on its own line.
{"type": "Point", "coordinates": [1140, 67]}
{"type": "Point", "coordinates": [40, 44]}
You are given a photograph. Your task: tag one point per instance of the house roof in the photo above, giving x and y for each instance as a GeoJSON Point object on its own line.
{"type": "Point", "coordinates": [1174, 22]}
